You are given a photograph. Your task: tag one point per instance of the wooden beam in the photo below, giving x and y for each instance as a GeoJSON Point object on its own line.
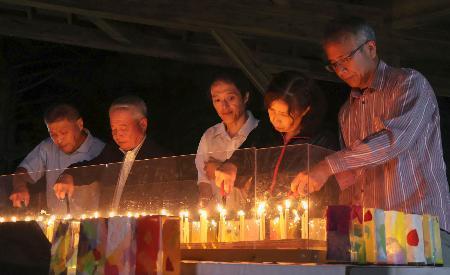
{"type": "Point", "coordinates": [420, 20]}
{"type": "Point", "coordinates": [409, 14]}
{"type": "Point", "coordinates": [146, 45]}
{"type": "Point", "coordinates": [258, 19]}
{"type": "Point", "coordinates": [243, 57]}
{"type": "Point", "coordinates": [299, 22]}
{"type": "Point", "coordinates": [109, 30]}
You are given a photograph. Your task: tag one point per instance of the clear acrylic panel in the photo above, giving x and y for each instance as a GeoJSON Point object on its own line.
{"type": "Point", "coordinates": [259, 211]}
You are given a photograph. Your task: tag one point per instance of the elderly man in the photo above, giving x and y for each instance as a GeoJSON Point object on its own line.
{"type": "Point", "coordinates": [69, 143]}
{"type": "Point", "coordinates": [390, 129]}
{"type": "Point", "coordinates": [128, 119]}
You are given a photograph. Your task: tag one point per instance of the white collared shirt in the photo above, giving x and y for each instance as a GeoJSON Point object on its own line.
{"type": "Point", "coordinates": [216, 143]}
{"type": "Point", "coordinates": [128, 160]}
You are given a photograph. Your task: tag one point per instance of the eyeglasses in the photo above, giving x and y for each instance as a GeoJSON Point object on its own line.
{"type": "Point", "coordinates": [331, 67]}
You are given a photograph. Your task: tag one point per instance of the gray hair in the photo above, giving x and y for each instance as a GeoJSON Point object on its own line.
{"type": "Point", "coordinates": [339, 27]}
{"type": "Point", "coordinates": [133, 103]}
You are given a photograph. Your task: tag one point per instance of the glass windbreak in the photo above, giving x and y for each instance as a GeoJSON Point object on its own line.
{"type": "Point", "coordinates": [247, 201]}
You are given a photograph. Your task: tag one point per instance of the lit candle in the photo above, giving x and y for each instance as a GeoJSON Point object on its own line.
{"type": "Point", "coordinates": [112, 214]}
{"type": "Point", "coordinates": [13, 219]}
{"type": "Point", "coordinates": [282, 223]}
{"type": "Point", "coordinates": [203, 226]}
{"type": "Point", "coordinates": [129, 214]}
{"type": "Point", "coordinates": [2, 219]}
{"type": "Point", "coordinates": [287, 206]}
{"type": "Point", "coordinates": [186, 227]}
{"type": "Point", "coordinates": [27, 219]}
{"type": "Point", "coordinates": [50, 226]}
{"type": "Point", "coordinates": [305, 218]}
{"type": "Point", "coordinates": [181, 225]}
{"type": "Point", "coordinates": [222, 225]}
{"type": "Point", "coordinates": [83, 216]}
{"type": "Point", "coordinates": [262, 220]}
{"type": "Point", "coordinates": [241, 215]}
{"type": "Point", "coordinates": [163, 212]}
{"type": "Point", "coordinates": [212, 231]}
{"type": "Point", "coordinates": [96, 215]}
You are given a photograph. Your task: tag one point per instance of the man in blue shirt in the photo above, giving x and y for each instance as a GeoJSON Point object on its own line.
{"type": "Point", "coordinates": [69, 143]}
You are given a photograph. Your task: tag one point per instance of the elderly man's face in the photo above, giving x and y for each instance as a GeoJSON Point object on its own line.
{"type": "Point", "coordinates": [66, 134]}
{"type": "Point", "coordinates": [127, 130]}
{"type": "Point", "coordinates": [353, 67]}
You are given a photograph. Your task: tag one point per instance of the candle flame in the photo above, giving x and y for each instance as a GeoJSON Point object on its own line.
{"type": "Point", "coordinates": [13, 219]}
{"type": "Point", "coordinates": [129, 214]}
{"type": "Point", "coordinates": [83, 216]}
{"type": "Point", "coordinates": [27, 219]}
{"type": "Point", "coordinates": [2, 219]}
{"type": "Point", "coordinates": [213, 223]}
{"type": "Point", "coordinates": [280, 208]}
{"type": "Point", "coordinates": [304, 204]}
{"type": "Point", "coordinates": [112, 214]}
{"type": "Point", "coordinates": [261, 208]}
{"type": "Point", "coordinates": [96, 215]}
{"type": "Point", "coordinates": [184, 214]}
{"type": "Point", "coordinates": [163, 212]}
{"type": "Point", "coordinates": [241, 213]}
{"type": "Point", "coordinates": [68, 217]}
{"type": "Point", "coordinates": [203, 213]}
{"type": "Point", "coordinates": [287, 204]}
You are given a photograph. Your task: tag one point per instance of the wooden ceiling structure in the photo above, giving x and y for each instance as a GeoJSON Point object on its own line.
{"type": "Point", "coordinates": [260, 37]}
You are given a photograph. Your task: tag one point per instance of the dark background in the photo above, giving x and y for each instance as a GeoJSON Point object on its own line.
{"type": "Point", "coordinates": [35, 74]}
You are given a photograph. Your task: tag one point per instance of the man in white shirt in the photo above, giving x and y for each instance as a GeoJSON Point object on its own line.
{"type": "Point", "coordinates": [229, 96]}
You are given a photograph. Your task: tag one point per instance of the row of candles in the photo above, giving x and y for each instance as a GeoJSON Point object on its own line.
{"type": "Point", "coordinates": [287, 224]}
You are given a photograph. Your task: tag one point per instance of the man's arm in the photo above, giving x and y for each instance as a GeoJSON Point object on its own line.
{"type": "Point", "coordinates": [30, 170]}
{"type": "Point", "coordinates": [412, 109]}
{"type": "Point", "coordinates": [80, 173]}
{"type": "Point", "coordinates": [20, 192]}
{"type": "Point", "coordinates": [205, 189]}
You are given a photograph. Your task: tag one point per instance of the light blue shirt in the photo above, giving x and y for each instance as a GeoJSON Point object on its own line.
{"type": "Point", "coordinates": [46, 158]}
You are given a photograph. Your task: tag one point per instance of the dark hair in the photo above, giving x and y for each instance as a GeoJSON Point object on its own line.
{"type": "Point", "coordinates": [130, 102]}
{"type": "Point", "coordinates": [61, 111]}
{"type": "Point", "coordinates": [341, 26]}
{"type": "Point", "coordinates": [241, 83]}
{"type": "Point", "coordinates": [299, 92]}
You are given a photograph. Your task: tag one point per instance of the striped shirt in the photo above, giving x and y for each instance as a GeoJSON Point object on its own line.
{"type": "Point", "coordinates": [392, 146]}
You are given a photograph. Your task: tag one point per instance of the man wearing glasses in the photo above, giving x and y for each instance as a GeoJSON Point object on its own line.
{"type": "Point", "coordinates": [392, 154]}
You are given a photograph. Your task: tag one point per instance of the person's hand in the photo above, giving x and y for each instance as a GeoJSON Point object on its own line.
{"type": "Point", "coordinates": [64, 186]}
{"type": "Point", "coordinates": [205, 194]}
{"type": "Point", "coordinates": [210, 168]}
{"type": "Point", "coordinates": [20, 196]}
{"type": "Point", "coordinates": [316, 178]}
{"type": "Point", "coordinates": [226, 175]}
